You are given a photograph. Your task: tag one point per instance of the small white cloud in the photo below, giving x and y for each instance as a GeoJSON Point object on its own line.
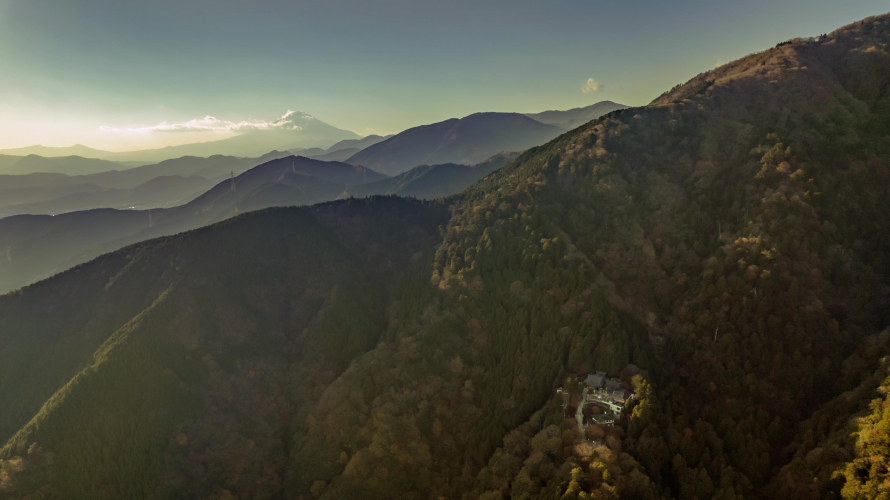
{"type": "Point", "coordinates": [213, 124]}
{"type": "Point", "coordinates": [592, 86]}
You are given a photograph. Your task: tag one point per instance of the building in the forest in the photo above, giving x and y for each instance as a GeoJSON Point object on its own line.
{"type": "Point", "coordinates": [622, 395]}
{"type": "Point", "coordinates": [606, 393]}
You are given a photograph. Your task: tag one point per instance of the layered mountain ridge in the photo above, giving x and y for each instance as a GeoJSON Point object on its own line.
{"type": "Point", "coordinates": [38, 246]}
{"type": "Point", "coordinates": [576, 117]}
{"type": "Point", "coordinates": [467, 140]}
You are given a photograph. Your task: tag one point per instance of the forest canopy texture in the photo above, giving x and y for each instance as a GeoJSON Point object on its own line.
{"type": "Point", "coordinates": [724, 250]}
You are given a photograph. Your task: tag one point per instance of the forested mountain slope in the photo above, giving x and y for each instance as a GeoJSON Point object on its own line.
{"type": "Point", "coordinates": [724, 249]}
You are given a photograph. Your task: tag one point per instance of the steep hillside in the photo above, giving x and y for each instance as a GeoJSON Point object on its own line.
{"type": "Point", "coordinates": [432, 181]}
{"type": "Point", "coordinates": [722, 250]}
{"type": "Point", "coordinates": [328, 262]}
{"type": "Point", "coordinates": [467, 140]}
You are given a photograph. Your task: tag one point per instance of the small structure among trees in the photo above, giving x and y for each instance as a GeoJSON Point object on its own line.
{"type": "Point", "coordinates": [607, 394]}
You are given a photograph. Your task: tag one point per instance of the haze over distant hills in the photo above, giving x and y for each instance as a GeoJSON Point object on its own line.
{"type": "Point", "coordinates": [432, 181]}
{"type": "Point", "coordinates": [278, 180]}
{"type": "Point", "coordinates": [341, 151]}
{"type": "Point", "coordinates": [69, 165]}
{"type": "Point", "coordinates": [297, 181]}
{"type": "Point", "coordinates": [576, 117]}
{"type": "Point", "coordinates": [159, 192]}
{"type": "Point", "coordinates": [293, 130]}
{"type": "Point", "coordinates": [290, 180]}
{"type": "Point", "coordinates": [467, 140]}
{"type": "Point", "coordinates": [359, 144]}
{"type": "Point", "coordinates": [164, 184]}
{"type": "Point", "coordinates": [52, 152]}
{"type": "Point", "coordinates": [172, 182]}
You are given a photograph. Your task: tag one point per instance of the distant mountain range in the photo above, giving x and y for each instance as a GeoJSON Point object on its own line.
{"type": "Point", "coordinates": [433, 181]}
{"type": "Point", "coordinates": [69, 165]}
{"type": "Point", "coordinates": [293, 130]}
{"type": "Point", "coordinates": [292, 180]}
{"type": "Point", "coordinates": [342, 150]}
{"type": "Point", "coordinates": [35, 184]}
{"type": "Point", "coordinates": [52, 152]}
{"type": "Point", "coordinates": [296, 129]}
{"type": "Point", "coordinates": [573, 118]}
{"type": "Point", "coordinates": [467, 140]}
{"type": "Point", "coordinates": [362, 143]}
{"type": "Point", "coordinates": [339, 155]}
{"type": "Point", "coordinates": [162, 191]}
{"type": "Point", "coordinates": [209, 167]}
{"type": "Point", "coordinates": [165, 184]}
{"type": "Point", "coordinates": [277, 181]}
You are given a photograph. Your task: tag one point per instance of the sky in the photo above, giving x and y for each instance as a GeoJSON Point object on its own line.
{"type": "Point", "coordinates": [122, 74]}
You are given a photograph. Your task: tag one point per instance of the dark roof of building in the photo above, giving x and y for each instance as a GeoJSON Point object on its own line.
{"type": "Point", "coordinates": [621, 394]}
{"type": "Point", "coordinates": [593, 381]}
{"type": "Point", "coordinates": [613, 384]}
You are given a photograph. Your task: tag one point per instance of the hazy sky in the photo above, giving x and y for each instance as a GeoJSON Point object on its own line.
{"type": "Point", "coordinates": [69, 67]}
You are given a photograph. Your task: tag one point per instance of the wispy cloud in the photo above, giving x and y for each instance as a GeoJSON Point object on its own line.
{"type": "Point", "coordinates": [213, 124]}
{"type": "Point", "coordinates": [592, 86]}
